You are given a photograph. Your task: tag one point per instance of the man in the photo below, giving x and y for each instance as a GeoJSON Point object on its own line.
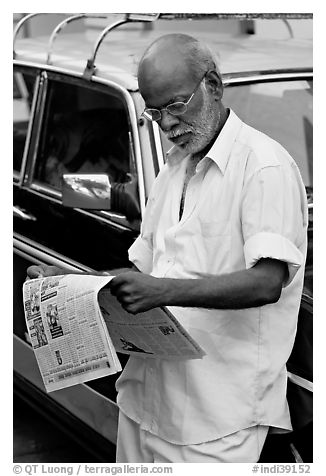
{"type": "Point", "coordinates": [223, 244]}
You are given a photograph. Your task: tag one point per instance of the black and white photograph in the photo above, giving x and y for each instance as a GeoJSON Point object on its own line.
{"type": "Point", "coordinates": [200, 127]}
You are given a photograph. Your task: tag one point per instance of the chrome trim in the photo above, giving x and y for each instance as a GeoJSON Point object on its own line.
{"type": "Point", "coordinates": [41, 254]}
{"type": "Point", "coordinates": [307, 299]}
{"type": "Point", "coordinates": [62, 25]}
{"type": "Point", "coordinates": [21, 213]}
{"type": "Point", "coordinates": [289, 27]}
{"type": "Point", "coordinates": [21, 23]}
{"type": "Point", "coordinates": [90, 65]}
{"type": "Point", "coordinates": [302, 382]}
{"type": "Point", "coordinates": [48, 193]}
{"type": "Point", "coordinates": [296, 454]}
{"type": "Point", "coordinates": [29, 171]}
{"type": "Point", "coordinates": [29, 129]}
{"type": "Point", "coordinates": [259, 77]}
{"type": "Point", "coordinates": [158, 145]}
{"type": "Point", "coordinates": [142, 17]}
{"type": "Point", "coordinates": [62, 70]}
{"type": "Point", "coordinates": [127, 18]}
{"type": "Point", "coordinates": [52, 194]}
{"type": "Point", "coordinates": [103, 219]}
{"type": "Point", "coordinates": [26, 256]}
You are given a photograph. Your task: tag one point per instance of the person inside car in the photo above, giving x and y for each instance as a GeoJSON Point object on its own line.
{"type": "Point", "coordinates": [223, 245]}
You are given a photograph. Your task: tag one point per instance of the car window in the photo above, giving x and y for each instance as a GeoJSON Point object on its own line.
{"type": "Point", "coordinates": [283, 110]}
{"type": "Point", "coordinates": [86, 131]}
{"type": "Point", "coordinates": [23, 88]}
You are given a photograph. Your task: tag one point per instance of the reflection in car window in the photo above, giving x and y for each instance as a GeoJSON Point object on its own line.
{"type": "Point", "coordinates": [86, 131]}
{"type": "Point", "coordinates": [23, 87]}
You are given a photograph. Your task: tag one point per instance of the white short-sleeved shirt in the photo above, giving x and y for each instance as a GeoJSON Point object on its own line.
{"type": "Point", "coordinates": [246, 201]}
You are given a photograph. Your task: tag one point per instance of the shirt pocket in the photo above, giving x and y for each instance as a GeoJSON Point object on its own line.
{"type": "Point", "coordinates": [216, 245]}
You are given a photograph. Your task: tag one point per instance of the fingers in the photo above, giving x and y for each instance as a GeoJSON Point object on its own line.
{"type": "Point", "coordinates": [128, 303]}
{"type": "Point", "coordinates": [42, 270]}
{"type": "Point", "coordinates": [35, 271]}
{"type": "Point", "coordinates": [118, 282]}
{"type": "Point", "coordinates": [117, 286]}
{"type": "Point", "coordinates": [121, 289]}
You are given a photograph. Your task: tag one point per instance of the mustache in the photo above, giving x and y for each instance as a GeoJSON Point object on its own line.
{"type": "Point", "coordinates": [178, 132]}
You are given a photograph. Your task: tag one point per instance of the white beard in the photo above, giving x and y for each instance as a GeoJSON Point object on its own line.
{"type": "Point", "coordinates": [203, 128]}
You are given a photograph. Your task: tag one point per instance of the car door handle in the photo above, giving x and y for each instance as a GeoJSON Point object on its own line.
{"type": "Point", "coordinates": [21, 213]}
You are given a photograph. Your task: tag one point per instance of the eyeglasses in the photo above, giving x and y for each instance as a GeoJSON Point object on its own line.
{"type": "Point", "coordinates": [176, 108]}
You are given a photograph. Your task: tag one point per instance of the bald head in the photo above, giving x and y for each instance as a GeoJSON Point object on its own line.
{"type": "Point", "coordinates": [178, 53]}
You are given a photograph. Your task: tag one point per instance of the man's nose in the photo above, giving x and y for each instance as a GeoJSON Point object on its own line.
{"type": "Point", "coordinates": [167, 121]}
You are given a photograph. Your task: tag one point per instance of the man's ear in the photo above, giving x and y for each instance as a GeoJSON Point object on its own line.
{"type": "Point", "coordinates": [214, 84]}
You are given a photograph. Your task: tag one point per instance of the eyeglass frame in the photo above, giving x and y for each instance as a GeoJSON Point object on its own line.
{"type": "Point", "coordinates": [172, 104]}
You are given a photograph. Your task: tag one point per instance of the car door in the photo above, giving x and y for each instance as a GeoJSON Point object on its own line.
{"type": "Point", "coordinates": [79, 127]}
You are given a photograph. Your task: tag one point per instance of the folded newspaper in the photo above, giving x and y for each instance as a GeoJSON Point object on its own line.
{"type": "Point", "coordinates": [76, 327]}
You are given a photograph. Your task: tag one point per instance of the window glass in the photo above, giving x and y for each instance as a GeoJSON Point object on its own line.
{"type": "Point", "coordinates": [86, 131]}
{"type": "Point", "coordinates": [23, 87]}
{"type": "Point", "coordinates": [283, 110]}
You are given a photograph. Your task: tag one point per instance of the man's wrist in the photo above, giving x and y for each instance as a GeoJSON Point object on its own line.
{"type": "Point", "coordinates": [169, 291]}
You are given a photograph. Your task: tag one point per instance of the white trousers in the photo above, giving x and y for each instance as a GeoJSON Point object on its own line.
{"type": "Point", "coordinates": [135, 445]}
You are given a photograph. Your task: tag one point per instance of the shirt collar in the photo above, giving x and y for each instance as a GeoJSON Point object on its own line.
{"type": "Point", "coordinates": [220, 151]}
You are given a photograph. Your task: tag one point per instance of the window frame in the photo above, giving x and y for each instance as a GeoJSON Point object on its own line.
{"type": "Point", "coordinates": [47, 74]}
{"type": "Point", "coordinates": [18, 175]}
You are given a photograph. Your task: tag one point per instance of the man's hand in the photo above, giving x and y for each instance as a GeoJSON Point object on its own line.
{"type": "Point", "coordinates": [138, 292]}
{"type": "Point", "coordinates": [43, 270]}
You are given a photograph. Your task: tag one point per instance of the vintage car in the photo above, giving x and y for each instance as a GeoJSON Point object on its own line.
{"type": "Point", "coordinates": [77, 109]}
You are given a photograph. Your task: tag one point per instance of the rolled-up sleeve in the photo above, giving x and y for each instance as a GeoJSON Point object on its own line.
{"type": "Point", "coordinates": [141, 254]}
{"type": "Point", "coordinates": [273, 218]}
{"type": "Point", "coordinates": [141, 251]}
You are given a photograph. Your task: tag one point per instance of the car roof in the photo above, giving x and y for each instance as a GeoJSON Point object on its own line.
{"type": "Point", "coordinates": [119, 53]}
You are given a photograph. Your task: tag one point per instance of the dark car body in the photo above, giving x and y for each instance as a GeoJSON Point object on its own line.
{"type": "Point", "coordinates": [66, 121]}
